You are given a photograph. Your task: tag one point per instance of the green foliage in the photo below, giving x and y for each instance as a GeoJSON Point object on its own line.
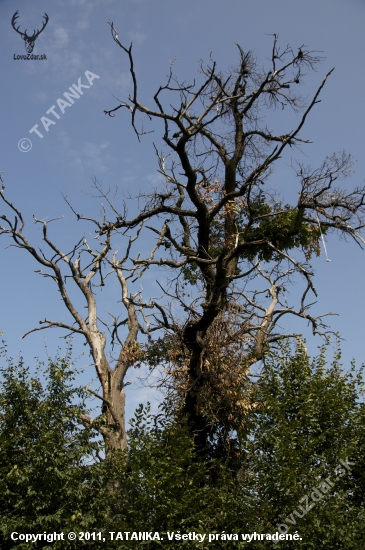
{"type": "Point", "coordinates": [165, 489]}
{"type": "Point", "coordinates": [283, 226]}
{"type": "Point", "coordinates": [191, 273]}
{"type": "Point", "coordinates": [308, 417]}
{"type": "Point", "coordinates": [44, 478]}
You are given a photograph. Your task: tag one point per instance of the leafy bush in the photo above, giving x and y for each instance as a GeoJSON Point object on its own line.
{"type": "Point", "coordinates": [45, 482]}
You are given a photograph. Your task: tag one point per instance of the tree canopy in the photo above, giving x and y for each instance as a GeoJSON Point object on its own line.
{"type": "Point", "coordinates": [302, 448]}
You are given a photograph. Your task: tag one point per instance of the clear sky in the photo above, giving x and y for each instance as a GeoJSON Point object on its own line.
{"type": "Point", "coordinates": [84, 143]}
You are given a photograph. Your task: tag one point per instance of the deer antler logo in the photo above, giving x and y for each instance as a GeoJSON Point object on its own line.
{"type": "Point", "coordinates": [29, 41]}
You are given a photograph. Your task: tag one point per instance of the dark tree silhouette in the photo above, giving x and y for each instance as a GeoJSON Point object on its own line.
{"type": "Point", "coordinates": [231, 246]}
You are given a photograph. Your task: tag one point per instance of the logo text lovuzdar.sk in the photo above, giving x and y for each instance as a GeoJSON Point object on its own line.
{"type": "Point", "coordinates": [29, 39]}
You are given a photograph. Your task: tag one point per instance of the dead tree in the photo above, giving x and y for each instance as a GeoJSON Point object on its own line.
{"type": "Point", "coordinates": [89, 269]}
{"type": "Point", "coordinates": [233, 247]}
{"type": "Point", "coordinates": [229, 241]}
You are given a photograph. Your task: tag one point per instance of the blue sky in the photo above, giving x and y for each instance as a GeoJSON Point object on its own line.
{"type": "Point", "coordinates": [84, 143]}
